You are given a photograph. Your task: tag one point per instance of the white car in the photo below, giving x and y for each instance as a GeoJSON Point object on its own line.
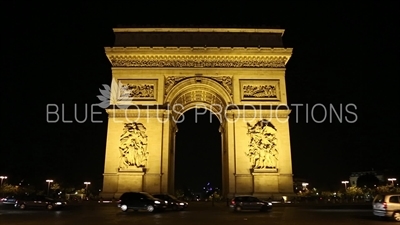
{"type": "Point", "coordinates": [387, 206]}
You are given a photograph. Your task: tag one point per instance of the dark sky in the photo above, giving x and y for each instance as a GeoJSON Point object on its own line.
{"type": "Point", "coordinates": [343, 54]}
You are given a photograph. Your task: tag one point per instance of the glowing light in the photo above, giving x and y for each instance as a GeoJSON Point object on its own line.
{"type": "Point", "coordinates": [87, 184]}
{"type": "Point", "coordinates": [392, 179]}
{"type": "Point", "coordinates": [48, 185]}
{"type": "Point", "coordinates": [345, 182]}
{"type": "Point", "coordinates": [2, 178]}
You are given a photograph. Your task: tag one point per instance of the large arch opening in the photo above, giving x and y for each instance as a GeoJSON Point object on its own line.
{"type": "Point", "coordinates": [198, 159]}
{"type": "Point", "coordinates": [198, 167]}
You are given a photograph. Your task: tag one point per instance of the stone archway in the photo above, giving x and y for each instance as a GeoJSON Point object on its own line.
{"type": "Point", "coordinates": [244, 87]}
{"type": "Point", "coordinates": [196, 91]}
{"type": "Point", "coordinates": [200, 92]}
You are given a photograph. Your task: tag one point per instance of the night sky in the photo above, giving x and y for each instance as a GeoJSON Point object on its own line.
{"type": "Point", "coordinates": [343, 54]}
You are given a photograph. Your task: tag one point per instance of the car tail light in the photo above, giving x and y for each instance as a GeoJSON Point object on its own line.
{"type": "Point", "coordinates": [233, 202]}
{"type": "Point", "coordinates": [385, 205]}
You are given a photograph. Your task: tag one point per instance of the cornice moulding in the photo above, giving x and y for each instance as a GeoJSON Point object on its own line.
{"type": "Point", "coordinates": [216, 30]}
{"type": "Point", "coordinates": [193, 50]}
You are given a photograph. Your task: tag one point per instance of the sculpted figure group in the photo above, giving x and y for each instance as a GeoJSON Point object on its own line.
{"type": "Point", "coordinates": [133, 146]}
{"type": "Point", "coordinates": [263, 152]}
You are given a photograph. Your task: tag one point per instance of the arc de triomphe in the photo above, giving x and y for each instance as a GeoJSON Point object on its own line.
{"type": "Point", "coordinates": [160, 73]}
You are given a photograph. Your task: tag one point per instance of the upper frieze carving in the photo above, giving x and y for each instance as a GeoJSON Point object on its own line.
{"type": "Point", "coordinates": [218, 61]}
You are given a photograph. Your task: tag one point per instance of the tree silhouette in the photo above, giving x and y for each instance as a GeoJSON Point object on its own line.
{"type": "Point", "coordinates": [368, 180]}
{"type": "Point", "coordinates": [354, 191]}
{"type": "Point", "coordinates": [8, 189]}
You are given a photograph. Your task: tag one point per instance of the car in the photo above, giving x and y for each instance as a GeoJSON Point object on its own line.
{"type": "Point", "coordinates": [38, 201]}
{"type": "Point", "coordinates": [173, 202]}
{"type": "Point", "coordinates": [9, 200]}
{"type": "Point", "coordinates": [387, 205]}
{"type": "Point", "coordinates": [249, 202]}
{"type": "Point", "coordinates": [141, 201]}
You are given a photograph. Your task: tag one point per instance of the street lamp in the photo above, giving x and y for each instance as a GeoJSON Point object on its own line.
{"type": "Point", "coordinates": [87, 184]}
{"type": "Point", "coordinates": [393, 180]}
{"type": "Point", "coordinates": [2, 178]}
{"type": "Point", "coordinates": [345, 182]}
{"type": "Point", "coordinates": [48, 186]}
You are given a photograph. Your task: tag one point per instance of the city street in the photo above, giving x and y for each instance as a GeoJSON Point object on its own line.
{"type": "Point", "coordinates": [198, 213]}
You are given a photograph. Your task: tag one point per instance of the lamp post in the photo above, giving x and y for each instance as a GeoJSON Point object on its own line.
{"type": "Point", "coordinates": [2, 178]}
{"type": "Point", "coordinates": [86, 189]}
{"type": "Point", "coordinates": [48, 186]}
{"type": "Point", "coordinates": [393, 180]}
{"type": "Point", "coordinates": [345, 182]}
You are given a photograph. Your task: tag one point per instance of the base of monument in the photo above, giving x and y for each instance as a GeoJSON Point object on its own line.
{"type": "Point", "coordinates": [264, 170]}
{"type": "Point", "coordinates": [273, 196]}
{"type": "Point", "coordinates": [111, 196]}
{"type": "Point", "coordinates": [108, 196]}
{"type": "Point", "coordinates": [132, 169]}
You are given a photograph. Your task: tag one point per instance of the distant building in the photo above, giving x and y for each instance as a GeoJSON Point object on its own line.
{"type": "Point", "coordinates": [300, 184]}
{"type": "Point", "coordinates": [355, 175]}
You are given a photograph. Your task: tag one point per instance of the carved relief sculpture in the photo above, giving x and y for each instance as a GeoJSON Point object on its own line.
{"type": "Point", "coordinates": [133, 146]}
{"type": "Point", "coordinates": [260, 91]}
{"type": "Point", "coordinates": [132, 91]}
{"type": "Point", "coordinates": [172, 81]}
{"type": "Point", "coordinates": [226, 82]}
{"type": "Point", "coordinates": [263, 152]}
{"type": "Point", "coordinates": [137, 89]}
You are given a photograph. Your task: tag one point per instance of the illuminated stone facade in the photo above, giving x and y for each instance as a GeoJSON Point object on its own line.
{"type": "Point", "coordinates": [160, 73]}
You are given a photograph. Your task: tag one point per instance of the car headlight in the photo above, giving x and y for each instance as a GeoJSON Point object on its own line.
{"type": "Point", "coordinates": [181, 203]}
{"type": "Point", "coordinates": [166, 202]}
{"type": "Point", "coordinates": [157, 202]}
{"type": "Point", "coordinates": [58, 203]}
{"type": "Point", "coordinates": [269, 203]}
